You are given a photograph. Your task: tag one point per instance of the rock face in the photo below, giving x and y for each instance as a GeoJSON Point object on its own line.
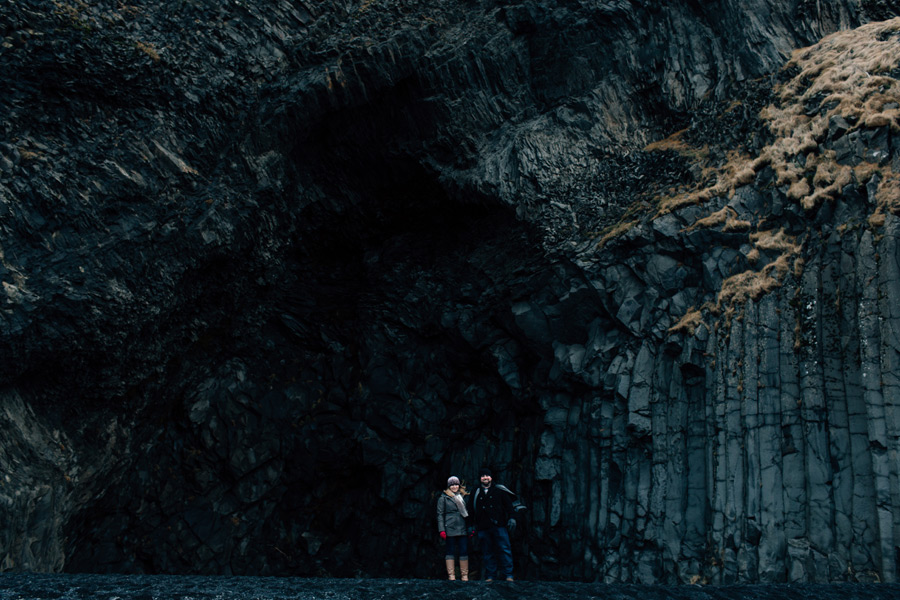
{"type": "Point", "coordinates": [272, 272]}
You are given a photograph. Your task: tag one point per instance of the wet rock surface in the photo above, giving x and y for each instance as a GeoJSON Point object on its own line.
{"type": "Point", "coordinates": [272, 271]}
{"type": "Point", "coordinates": [75, 587]}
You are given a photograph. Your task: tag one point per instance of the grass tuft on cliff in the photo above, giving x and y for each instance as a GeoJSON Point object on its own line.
{"type": "Point", "coordinates": [848, 84]}
{"type": "Point", "coordinates": [850, 75]}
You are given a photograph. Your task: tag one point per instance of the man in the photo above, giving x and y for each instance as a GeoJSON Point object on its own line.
{"type": "Point", "coordinates": [492, 513]}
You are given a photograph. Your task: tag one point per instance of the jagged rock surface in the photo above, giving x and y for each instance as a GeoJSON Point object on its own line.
{"type": "Point", "coordinates": [273, 271]}
{"type": "Point", "coordinates": [30, 586]}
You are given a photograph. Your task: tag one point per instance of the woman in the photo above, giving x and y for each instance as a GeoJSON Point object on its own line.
{"type": "Point", "coordinates": [451, 517]}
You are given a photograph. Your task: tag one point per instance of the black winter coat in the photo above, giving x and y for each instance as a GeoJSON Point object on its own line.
{"type": "Point", "coordinates": [491, 507]}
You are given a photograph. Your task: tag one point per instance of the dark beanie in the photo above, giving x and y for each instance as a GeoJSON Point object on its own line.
{"type": "Point", "coordinates": [485, 471]}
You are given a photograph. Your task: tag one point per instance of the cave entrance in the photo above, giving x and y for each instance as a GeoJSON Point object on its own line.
{"type": "Point", "coordinates": [396, 302]}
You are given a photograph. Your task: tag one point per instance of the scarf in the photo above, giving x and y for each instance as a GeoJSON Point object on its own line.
{"type": "Point", "coordinates": [458, 499]}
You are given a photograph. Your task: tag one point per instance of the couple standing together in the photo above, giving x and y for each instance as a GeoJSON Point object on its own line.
{"type": "Point", "coordinates": [489, 511]}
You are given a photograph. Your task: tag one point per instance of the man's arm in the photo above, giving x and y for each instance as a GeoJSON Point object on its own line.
{"type": "Point", "coordinates": [506, 499]}
{"type": "Point", "coordinates": [507, 496]}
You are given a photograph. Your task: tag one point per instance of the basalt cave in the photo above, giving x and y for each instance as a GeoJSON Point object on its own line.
{"type": "Point", "coordinates": [272, 271]}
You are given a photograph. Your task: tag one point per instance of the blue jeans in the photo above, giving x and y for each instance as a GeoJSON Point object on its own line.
{"type": "Point", "coordinates": [495, 546]}
{"type": "Point", "coordinates": [457, 546]}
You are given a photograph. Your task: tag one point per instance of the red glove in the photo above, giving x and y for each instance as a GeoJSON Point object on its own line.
{"type": "Point", "coordinates": [443, 535]}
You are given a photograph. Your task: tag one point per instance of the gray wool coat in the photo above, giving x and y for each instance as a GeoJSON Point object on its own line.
{"type": "Point", "coordinates": [449, 518]}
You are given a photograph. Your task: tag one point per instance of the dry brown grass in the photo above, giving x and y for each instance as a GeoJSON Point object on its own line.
{"type": "Point", "coordinates": [844, 71]}
{"type": "Point", "coordinates": [738, 170]}
{"type": "Point", "coordinates": [888, 193]}
{"type": "Point", "coordinates": [876, 219]}
{"type": "Point", "coordinates": [745, 176]}
{"type": "Point", "coordinates": [828, 181]}
{"type": "Point", "coordinates": [717, 218]}
{"type": "Point", "coordinates": [615, 231]}
{"type": "Point", "coordinates": [670, 204]}
{"type": "Point", "coordinates": [777, 241]}
{"type": "Point", "coordinates": [845, 67]}
{"type": "Point", "coordinates": [799, 189]}
{"type": "Point", "coordinates": [699, 155]}
{"type": "Point", "coordinates": [725, 216]}
{"type": "Point", "coordinates": [799, 263]}
{"type": "Point", "coordinates": [864, 171]}
{"type": "Point", "coordinates": [733, 224]}
{"type": "Point", "coordinates": [739, 288]}
{"type": "Point", "coordinates": [688, 323]}
{"type": "Point", "coordinates": [875, 113]}
{"type": "Point", "coordinates": [675, 143]}
{"type": "Point", "coordinates": [846, 75]}
{"type": "Point", "coordinates": [148, 49]}
{"type": "Point", "coordinates": [76, 12]}
{"type": "Point", "coordinates": [887, 198]}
